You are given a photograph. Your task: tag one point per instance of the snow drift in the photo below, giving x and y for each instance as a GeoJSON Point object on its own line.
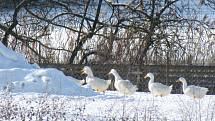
{"type": "Point", "coordinates": [12, 59]}
{"type": "Point", "coordinates": [20, 76]}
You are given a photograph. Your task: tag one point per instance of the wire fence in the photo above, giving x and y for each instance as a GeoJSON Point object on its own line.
{"type": "Point", "coordinates": [167, 74]}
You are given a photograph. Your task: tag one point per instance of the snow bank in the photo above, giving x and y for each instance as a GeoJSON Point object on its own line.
{"type": "Point", "coordinates": [12, 59]}
{"type": "Point", "coordinates": [48, 80]}
{"type": "Point", "coordinates": [20, 76]}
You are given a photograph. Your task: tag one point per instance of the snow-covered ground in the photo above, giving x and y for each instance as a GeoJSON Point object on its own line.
{"type": "Point", "coordinates": [29, 92]}
{"type": "Point", "coordinates": [110, 106]}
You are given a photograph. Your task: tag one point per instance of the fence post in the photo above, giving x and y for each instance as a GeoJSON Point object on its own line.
{"type": "Point", "coordinates": [138, 74]}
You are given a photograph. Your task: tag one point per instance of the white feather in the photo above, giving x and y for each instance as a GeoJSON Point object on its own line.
{"type": "Point", "coordinates": [158, 89]}
{"type": "Point", "coordinates": [123, 86]}
{"type": "Point", "coordinates": [96, 83]}
{"type": "Point", "coordinates": [193, 91]}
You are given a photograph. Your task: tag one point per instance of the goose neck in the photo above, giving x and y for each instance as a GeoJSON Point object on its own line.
{"type": "Point", "coordinates": [90, 73]}
{"type": "Point", "coordinates": [184, 85]}
{"type": "Point", "coordinates": [151, 79]}
{"type": "Point", "coordinates": [117, 76]}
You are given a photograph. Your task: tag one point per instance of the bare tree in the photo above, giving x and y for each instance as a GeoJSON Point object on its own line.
{"type": "Point", "coordinates": [132, 32]}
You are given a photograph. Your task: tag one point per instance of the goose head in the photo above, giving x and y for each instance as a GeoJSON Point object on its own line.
{"type": "Point", "coordinates": [116, 75]}
{"type": "Point", "coordinates": [112, 71]}
{"type": "Point", "coordinates": [87, 70]}
{"type": "Point", "coordinates": [150, 75]}
{"type": "Point", "coordinates": [181, 79]}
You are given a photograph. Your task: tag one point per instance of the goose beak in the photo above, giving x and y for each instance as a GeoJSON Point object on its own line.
{"type": "Point", "coordinates": [82, 72]}
{"type": "Point", "coordinates": [177, 81]}
{"type": "Point", "coordinates": [145, 77]}
{"type": "Point", "coordinates": [109, 73]}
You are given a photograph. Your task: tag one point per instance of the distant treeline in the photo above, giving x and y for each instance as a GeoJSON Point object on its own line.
{"type": "Point", "coordinates": [9, 4]}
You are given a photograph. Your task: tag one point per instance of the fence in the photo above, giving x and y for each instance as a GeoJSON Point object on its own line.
{"type": "Point", "coordinates": [195, 75]}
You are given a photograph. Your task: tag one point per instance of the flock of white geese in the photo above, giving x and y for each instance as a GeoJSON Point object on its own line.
{"type": "Point", "coordinates": [125, 86]}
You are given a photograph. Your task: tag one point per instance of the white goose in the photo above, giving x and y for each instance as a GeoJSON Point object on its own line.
{"type": "Point", "coordinates": [123, 86]}
{"type": "Point", "coordinates": [193, 91]}
{"type": "Point", "coordinates": [100, 85]}
{"type": "Point", "coordinates": [158, 89]}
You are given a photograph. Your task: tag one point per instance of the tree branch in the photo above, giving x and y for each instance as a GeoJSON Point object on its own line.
{"type": "Point", "coordinates": [14, 21]}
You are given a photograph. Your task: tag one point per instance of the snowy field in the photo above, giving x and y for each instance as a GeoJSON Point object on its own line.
{"type": "Point", "coordinates": [110, 106]}
{"type": "Point", "coordinates": [31, 93]}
